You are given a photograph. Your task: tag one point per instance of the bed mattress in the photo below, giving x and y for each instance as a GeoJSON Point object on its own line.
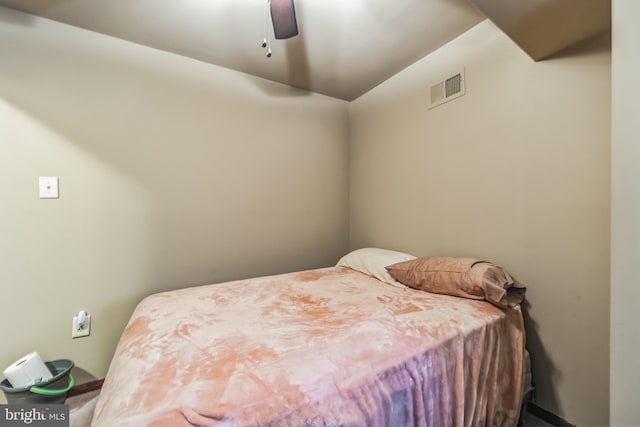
{"type": "Point", "coordinates": [326, 347]}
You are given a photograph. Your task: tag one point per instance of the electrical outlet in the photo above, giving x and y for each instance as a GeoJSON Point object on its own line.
{"type": "Point", "coordinates": [77, 331]}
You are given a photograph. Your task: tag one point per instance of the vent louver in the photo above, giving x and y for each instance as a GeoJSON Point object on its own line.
{"type": "Point", "coordinates": [446, 90]}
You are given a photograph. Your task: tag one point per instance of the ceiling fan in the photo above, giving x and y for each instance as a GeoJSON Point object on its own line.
{"type": "Point", "coordinates": [283, 18]}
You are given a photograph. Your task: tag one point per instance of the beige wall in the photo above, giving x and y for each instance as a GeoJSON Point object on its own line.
{"type": "Point", "coordinates": [625, 215]}
{"type": "Point", "coordinates": [517, 172]}
{"type": "Point", "coordinates": [172, 172]}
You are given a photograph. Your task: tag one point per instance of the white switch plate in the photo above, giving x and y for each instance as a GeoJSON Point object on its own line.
{"type": "Point", "coordinates": [48, 186]}
{"type": "Point", "coordinates": [77, 332]}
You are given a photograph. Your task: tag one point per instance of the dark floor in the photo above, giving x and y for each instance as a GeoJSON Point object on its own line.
{"type": "Point", "coordinates": [531, 420]}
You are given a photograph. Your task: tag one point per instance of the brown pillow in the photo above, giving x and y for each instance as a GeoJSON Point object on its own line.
{"type": "Point", "coordinates": [461, 277]}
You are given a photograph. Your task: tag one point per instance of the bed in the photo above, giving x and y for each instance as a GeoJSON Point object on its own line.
{"type": "Point", "coordinates": [327, 347]}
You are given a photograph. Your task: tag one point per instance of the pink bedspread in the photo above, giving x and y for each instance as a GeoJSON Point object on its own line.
{"type": "Point", "coordinates": [328, 347]}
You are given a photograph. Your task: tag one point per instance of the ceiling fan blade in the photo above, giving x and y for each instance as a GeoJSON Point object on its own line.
{"type": "Point", "coordinates": [283, 15]}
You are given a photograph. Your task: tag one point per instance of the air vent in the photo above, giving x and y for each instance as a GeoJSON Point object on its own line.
{"type": "Point", "coordinates": [446, 90]}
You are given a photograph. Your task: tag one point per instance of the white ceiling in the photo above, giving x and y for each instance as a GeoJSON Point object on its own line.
{"type": "Point", "coordinates": [345, 47]}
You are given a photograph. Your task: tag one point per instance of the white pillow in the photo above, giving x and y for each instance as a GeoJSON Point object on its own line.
{"type": "Point", "coordinates": [372, 261]}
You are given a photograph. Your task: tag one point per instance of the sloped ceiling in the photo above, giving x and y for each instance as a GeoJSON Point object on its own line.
{"type": "Point", "coordinates": [345, 47]}
{"type": "Point", "coordinates": [543, 28]}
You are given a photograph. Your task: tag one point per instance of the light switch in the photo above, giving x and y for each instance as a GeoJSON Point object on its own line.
{"type": "Point", "coordinates": [48, 187]}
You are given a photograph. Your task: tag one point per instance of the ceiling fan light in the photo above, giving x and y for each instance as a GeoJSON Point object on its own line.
{"type": "Point", "coordinates": [283, 15]}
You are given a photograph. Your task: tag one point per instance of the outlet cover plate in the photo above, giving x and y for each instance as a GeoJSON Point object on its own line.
{"type": "Point", "coordinates": [77, 332]}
